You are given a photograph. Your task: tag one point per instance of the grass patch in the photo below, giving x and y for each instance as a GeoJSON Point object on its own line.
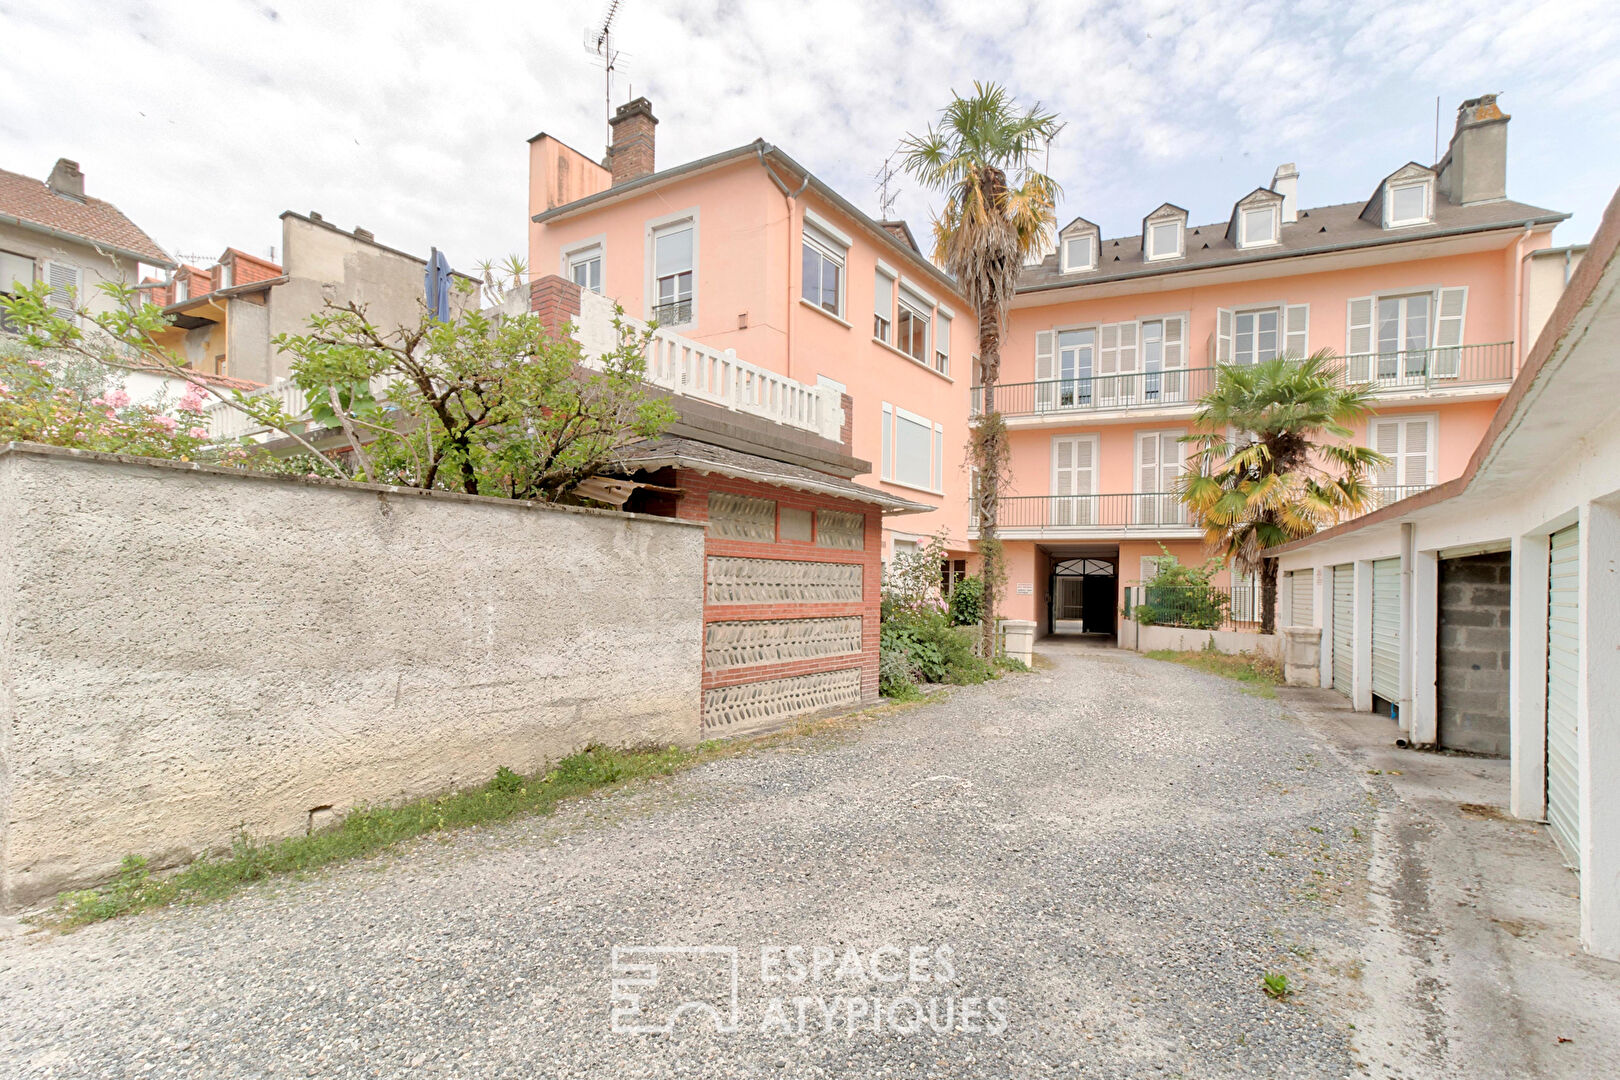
{"type": "Point", "coordinates": [1259, 674]}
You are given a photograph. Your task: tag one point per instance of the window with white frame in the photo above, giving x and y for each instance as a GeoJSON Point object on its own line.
{"type": "Point", "coordinates": [911, 326]}
{"type": "Point", "coordinates": [823, 277]}
{"type": "Point", "coordinates": [227, 275]}
{"type": "Point", "coordinates": [1079, 253]}
{"type": "Point", "coordinates": [182, 287]}
{"type": "Point", "coordinates": [673, 253]}
{"type": "Point", "coordinates": [1407, 204]}
{"type": "Point", "coordinates": [942, 343]}
{"type": "Point", "coordinates": [1254, 336]}
{"type": "Point", "coordinates": [1409, 444]}
{"type": "Point", "coordinates": [883, 307]}
{"type": "Point", "coordinates": [1258, 227]}
{"type": "Point", "coordinates": [913, 449]}
{"type": "Point", "coordinates": [585, 267]}
{"type": "Point", "coordinates": [1164, 240]}
{"type": "Point", "coordinates": [16, 271]}
{"type": "Point", "coordinates": [1406, 335]}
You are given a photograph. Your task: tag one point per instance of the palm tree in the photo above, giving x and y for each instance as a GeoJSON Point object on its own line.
{"type": "Point", "coordinates": [1291, 469]}
{"type": "Point", "coordinates": [999, 210]}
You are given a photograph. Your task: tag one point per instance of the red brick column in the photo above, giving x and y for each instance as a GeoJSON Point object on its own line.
{"type": "Point", "coordinates": [555, 300]}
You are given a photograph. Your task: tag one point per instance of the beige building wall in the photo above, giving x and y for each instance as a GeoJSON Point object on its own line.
{"type": "Point", "coordinates": [159, 691]}
{"type": "Point", "coordinates": [95, 266]}
{"type": "Point", "coordinates": [1546, 272]}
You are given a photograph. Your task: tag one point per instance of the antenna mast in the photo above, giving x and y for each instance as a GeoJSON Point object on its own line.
{"type": "Point", "coordinates": [885, 177]}
{"type": "Point", "coordinates": [599, 43]}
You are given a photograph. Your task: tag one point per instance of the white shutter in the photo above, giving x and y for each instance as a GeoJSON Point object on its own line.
{"type": "Point", "coordinates": [1343, 627]}
{"type": "Point", "coordinates": [1451, 307]}
{"type": "Point", "coordinates": [65, 291]}
{"type": "Point", "coordinates": [1127, 347]}
{"type": "Point", "coordinates": [1223, 336]}
{"type": "Point", "coordinates": [1358, 338]}
{"type": "Point", "coordinates": [1301, 592]}
{"type": "Point", "coordinates": [888, 441]}
{"type": "Point", "coordinates": [1045, 391]}
{"type": "Point", "coordinates": [1386, 629]}
{"type": "Point", "coordinates": [1147, 477]}
{"type": "Point", "coordinates": [1108, 353]}
{"type": "Point", "coordinates": [1563, 688]}
{"type": "Point", "coordinates": [939, 457]}
{"type": "Point", "coordinates": [1071, 476]}
{"type": "Point", "coordinates": [1175, 358]}
{"type": "Point", "coordinates": [1296, 322]}
{"type": "Point", "coordinates": [1386, 439]}
{"type": "Point", "coordinates": [1415, 454]}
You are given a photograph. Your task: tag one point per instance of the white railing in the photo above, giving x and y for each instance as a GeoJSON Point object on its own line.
{"type": "Point", "coordinates": [691, 369]}
{"type": "Point", "coordinates": [227, 423]}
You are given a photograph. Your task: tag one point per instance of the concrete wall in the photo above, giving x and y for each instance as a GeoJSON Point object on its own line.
{"type": "Point", "coordinates": [1472, 663]}
{"type": "Point", "coordinates": [1133, 635]}
{"type": "Point", "coordinates": [160, 692]}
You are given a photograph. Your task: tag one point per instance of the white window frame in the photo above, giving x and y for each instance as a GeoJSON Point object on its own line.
{"type": "Point", "coordinates": [887, 328]}
{"type": "Point", "coordinates": [583, 252]}
{"type": "Point", "coordinates": [1152, 254]}
{"type": "Point", "coordinates": [227, 275]}
{"type": "Point", "coordinates": [920, 307]}
{"type": "Point", "coordinates": [655, 228]}
{"type": "Point", "coordinates": [1069, 265]}
{"type": "Point", "coordinates": [936, 455]}
{"type": "Point", "coordinates": [1281, 313]}
{"type": "Point", "coordinates": [1244, 240]}
{"type": "Point", "coordinates": [827, 242]}
{"type": "Point", "coordinates": [1430, 454]}
{"type": "Point", "coordinates": [1391, 221]}
{"type": "Point", "coordinates": [182, 288]}
{"type": "Point", "coordinates": [944, 319]}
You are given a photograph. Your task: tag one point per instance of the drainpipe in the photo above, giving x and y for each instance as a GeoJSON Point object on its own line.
{"type": "Point", "coordinates": [1523, 326]}
{"type": "Point", "coordinates": [790, 199]}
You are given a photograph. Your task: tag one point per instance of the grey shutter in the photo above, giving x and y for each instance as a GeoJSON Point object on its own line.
{"type": "Point", "coordinates": [1045, 391]}
{"type": "Point", "coordinates": [1451, 307]}
{"type": "Point", "coordinates": [1358, 338]}
{"type": "Point", "coordinates": [1300, 584]}
{"type": "Point", "coordinates": [63, 279]}
{"type": "Point", "coordinates": [1296, 323]}
{"type": "Point", "coordinates": [1563, 680]}
{"type": "Point", "coordinates": [1386, 629]}
{"type": "Point", "coordinates": [1344, 591]}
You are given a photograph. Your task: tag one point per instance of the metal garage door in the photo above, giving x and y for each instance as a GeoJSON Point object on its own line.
{"type": "Point", "coordinates": [1563, 660]}
{"type": "Point", "coordinates": [1386, 629]}
{"type": "Point", "coordinates": [1344, 591]}
{"type": "Point", "coordinates": [1299, 584]}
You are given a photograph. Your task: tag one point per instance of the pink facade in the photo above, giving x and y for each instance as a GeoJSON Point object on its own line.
{"type": "Point", "coordinates": [747, 255]}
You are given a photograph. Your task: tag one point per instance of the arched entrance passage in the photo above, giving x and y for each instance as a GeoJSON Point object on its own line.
{"type": "Point", "coordinates": [1083, 594]}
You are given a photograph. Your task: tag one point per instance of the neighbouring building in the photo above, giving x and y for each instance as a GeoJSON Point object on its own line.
{"type": "Point", "coordinates": [1113, 340]}
{"type": "Point", "coordinates": [748, 256]}
{"type": "Point", "coordinates": [1481, 613]}
{"type": "Point", "coordinates": [51, 231]}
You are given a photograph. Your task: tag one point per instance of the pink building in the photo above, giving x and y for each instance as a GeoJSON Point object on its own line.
{"type": "Point", "coordinates": [1113, 340]}
{"type": "Point", "coordinates": [752, 261]}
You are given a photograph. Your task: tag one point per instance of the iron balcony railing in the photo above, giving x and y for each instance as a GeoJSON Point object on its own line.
{"type": "Point", "coordinates": [1408, 370]}
{"type": "Point", "coordinates": [1088, 511]}
{"type": "Point", "coordinates": [1384, 494]}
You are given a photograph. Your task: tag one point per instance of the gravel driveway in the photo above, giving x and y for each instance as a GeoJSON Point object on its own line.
{"type": "Point", "coordinates": [1087, 870]}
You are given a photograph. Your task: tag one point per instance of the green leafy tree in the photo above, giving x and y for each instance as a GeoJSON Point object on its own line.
{"type": "Point", "coordinates": [1290, 471]}
{"type": "Point", "coordinates": [999, 210]}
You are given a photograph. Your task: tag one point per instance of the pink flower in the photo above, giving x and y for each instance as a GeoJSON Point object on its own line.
{"type": "Point", "coordinates": [167, 423]}
{"type": "Point", "coordinates": [118, 399]}
{"type": "Point", "coordinates": [192, 401]}
{"type": "Point", "coordinates": [198, 433]}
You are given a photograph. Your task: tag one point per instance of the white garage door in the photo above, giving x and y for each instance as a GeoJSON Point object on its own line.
{"type": "Point", "coordinates": [1386, 629]}
{"type": "Point", "coordinates": [1299, 585]}
{"type": "Point", "coordinates": [1344, 591]}
{"type": "Point", "coordinates": [1563, 664]}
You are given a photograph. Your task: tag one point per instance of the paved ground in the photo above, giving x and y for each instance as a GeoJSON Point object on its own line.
{"type": "Point", "coordinates": [1094, 865]}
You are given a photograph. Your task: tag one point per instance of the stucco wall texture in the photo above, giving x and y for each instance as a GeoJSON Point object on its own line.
{"type": "Point", "coordinates": [186, 653]}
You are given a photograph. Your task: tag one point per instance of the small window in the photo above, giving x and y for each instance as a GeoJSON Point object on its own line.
{"type": "Point", "coordinates": [15, 270]}
{"type": "Point", "coordinates": [672, 274]}
{"type": "Point", "coordinates": [883, 308]}
{"type": "Point", "coordinates": [913, 449]}
{"type": "Point", "coordinates": [182, 288]}
{"type": "Point", "coordinates": [1079, 253]}
{"type": "Point", "coordinates": [1408, 204]}
{"type": "Point", "coordinates": [226, 275]}
{"type": "Point", "coordinates": [942, 345]}
{"type": "Point", "coordinates": [824, 259]}
{"type": "Point", "coordinates": [1260, 226]}
{"type": "Point", "coordinates": [1164, 240]}
{"type": "Point", "coordinates": [585, 268]}
{"type": "Point", "coordinates": [912, 328]}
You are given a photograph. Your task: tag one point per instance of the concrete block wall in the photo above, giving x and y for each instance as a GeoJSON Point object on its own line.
{"type": "Point", "coordinates": [1473, 693]}
{"type": "Point", "coordinates": [186, 653]}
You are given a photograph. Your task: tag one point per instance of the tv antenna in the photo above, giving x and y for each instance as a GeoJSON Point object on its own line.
{"type": "Point", "coordinates": [599, 43]}
{"type": "Point", "coordinates": [885, 179]}
{"type": "Point", "coordinates": [1046, 167]}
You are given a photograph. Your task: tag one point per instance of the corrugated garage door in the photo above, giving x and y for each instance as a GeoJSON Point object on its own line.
{"type": "Point", "coordinates": [1563, 664]}
{"type": "Point", "coordinates": [1386, 629]}
{"type": "Point", "coordinates": [1299, 584]}
{"type": "Point", "coordinates": [1344, 591]}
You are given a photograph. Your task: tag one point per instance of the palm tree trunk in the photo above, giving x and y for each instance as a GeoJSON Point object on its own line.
{"type": "Point", "coordinates": [990, 445]}
{"type": "Point", "coordinates": [1268, 596]}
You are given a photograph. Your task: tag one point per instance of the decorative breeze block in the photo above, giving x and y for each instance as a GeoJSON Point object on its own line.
{"type": "Point", "coordinates": [777, 641]}
{"type": "Point", "coordinates": [841, 529]}
{"type": "Point", "coordinates": [742, 517]}
{"type": "Point", "coordinates": [734, 580]}
{"type": "Point", "coordinates": [763, 703]}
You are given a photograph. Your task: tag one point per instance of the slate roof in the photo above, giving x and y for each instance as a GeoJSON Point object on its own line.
{"type": "Point", "coordinates": [1319, 229]}
{"type": "Point", "coordinates": [98, 222]}
{"type": "Point", "coordinates": [670, 451]}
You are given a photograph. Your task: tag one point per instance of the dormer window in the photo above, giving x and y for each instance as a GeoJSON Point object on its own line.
{"type": "Point", "coordinates": [1164, 240]}
{"type": "Point", "coordinates": [1259, 227]}
{"type": "Point", "coordinates": [1079, 253]}
{"type": "Point", "coordinates": [1407, 204]}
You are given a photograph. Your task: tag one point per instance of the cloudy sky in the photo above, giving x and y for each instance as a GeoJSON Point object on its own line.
{"type": "Point", "coordinates": [204, 120]}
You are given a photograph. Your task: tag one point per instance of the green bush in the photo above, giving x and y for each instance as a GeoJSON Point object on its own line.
{"type": "Point", "coordinates": [1180, 595]}
{"type": "Point", "coordinates": [967, 602]}
{"type": "Point", "coordinates": [896, 676]}
{"type": "Point", "coordinates": [935, 651]}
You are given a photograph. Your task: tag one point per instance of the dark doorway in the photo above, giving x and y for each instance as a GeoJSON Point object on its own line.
{"type": "Point", "coordinates": [1084, 594]}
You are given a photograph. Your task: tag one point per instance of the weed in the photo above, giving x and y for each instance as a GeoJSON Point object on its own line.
{"type": "Point", "coordinates": [1258, 674]}
{"type": "Point", "coordinates": [1276, 984]}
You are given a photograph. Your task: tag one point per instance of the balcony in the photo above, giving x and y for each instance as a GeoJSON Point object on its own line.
{"type": "Point", "coordinates": [1463, 370]}
{"type": "Point", "coordinates": [1384, 494]}
{"type": "Point", "coordinates": [1037, 517]}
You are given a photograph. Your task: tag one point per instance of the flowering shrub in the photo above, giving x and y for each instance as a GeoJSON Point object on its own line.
{"type": "Point", "coordinates": [57, 404]}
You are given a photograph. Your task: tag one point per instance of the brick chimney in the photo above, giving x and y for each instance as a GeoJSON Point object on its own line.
{"type": "Point", "coordinates": [631, 155]}
{"type": "Point", "coordinates": [1475, 166]}
{"type": "Point", "coordinates": [66, 179]}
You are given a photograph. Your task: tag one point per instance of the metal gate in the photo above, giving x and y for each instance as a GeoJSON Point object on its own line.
{"type": "Point", "coordinates": [1386, 629]}
{"type": "Point", "coordinates": [1299, 585]}
{"type": "Point", "coordinates": [1344, 591]}
{"type": "Point", "coordinates": [1563, 666]}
